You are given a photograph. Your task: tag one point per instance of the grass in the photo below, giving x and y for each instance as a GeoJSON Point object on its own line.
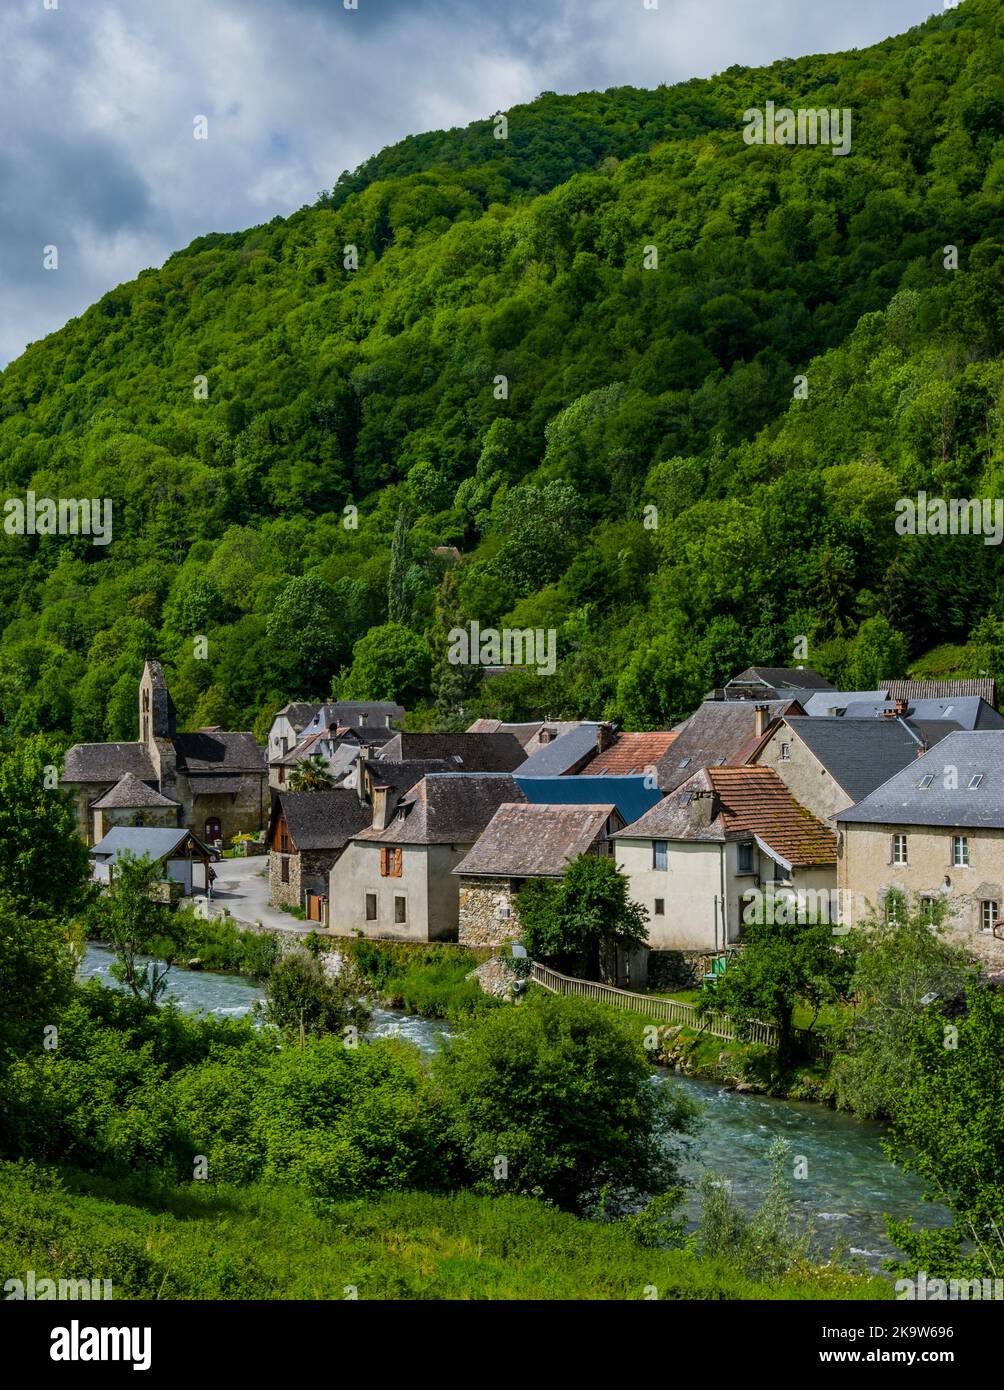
{"type": "Point", "coordinates": [427, 980]}
{"type": "Point", "coordinates": [266, 1243]}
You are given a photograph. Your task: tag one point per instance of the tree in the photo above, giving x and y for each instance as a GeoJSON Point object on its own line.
{"type": "Point", "coordinates": [37, 965]}
{"type": "Point", "coordinates": [312, 775]}
{"type": "Point", "coordinates": [879, 653]}
{"type": "Point", "coordinates": [390, 663]}
{"type": "Point", "coordinates": [949, 1128]}
{"type": "Point", "coordinates": [302, 999]}
{"type": "Point", "coordinates": [44, 864]}
{"type": "Point", "coordinates": [574, 920]}
{"type": "Point", "coordinates": [135, 925]}
{"type": "Point", "coordinates": [782, 963]}
{"type": "Point", "coordinates": [397, 601]}
{"type": "Point", "coordinates": [555, 1098]}
{"type": "Point", "coordinates": [304, 623]}
{"type": "Point", "coordinates": [901, 958]}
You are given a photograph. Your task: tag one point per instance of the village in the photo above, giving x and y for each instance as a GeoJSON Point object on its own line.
{"type": "Point", "coordinates": [779, 794]}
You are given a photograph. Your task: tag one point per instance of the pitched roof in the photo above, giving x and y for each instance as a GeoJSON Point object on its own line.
{"type": "Point", "coordinates": [129, 793]}
{"type": "Point", "coordinates": [563, 755]}
{"type": "Point", "coordinates": [632, 796]}
{"type": "Point", "coordinates": [526, 840]}
{"type": "Point", "coordinates": [155, 842]}
{"type": "Point", "coordinates": [401, 777]}
{"type": "Point", "coordinates": [299, 713]}
{"type": "Point", "coordinates": [983, 686]}
{"type": "Point", "coordinates": [211, 750]}
{"type": "Point", "coordinates": [968, 711]}
{"type": "Point", "coordinates": [783, 677]}
{"type": "Point", "coordinates": [748, 801]}
{"type": "Point", "coordinates": [632, 753]}
{"type": "Point", "coordinates": [718, 732]}
{"type": "Point", "coordinates": [320, 820]}
{"type": "Point", "coordinates": [107, 762]}
{"type": "Point", "coordinates": [958, 759]}
{"type": "Point", "coordinates": [447, 808]}
{"type": "Point", "coordinates": [524, 732]}
{"type": "Point", "coordinates": [822, 701]}
{"type": "Point", "coordinates": [861, 754]}
{"type": "Point", "coordinates": [498, 752]}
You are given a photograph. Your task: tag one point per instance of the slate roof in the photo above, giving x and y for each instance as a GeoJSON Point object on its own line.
{"type": "Point", "coordinates": [861, 754]}
{"type": "Point", "coordinates": [783, 677]}
{"type": "Point", "coordinates": [130, 793]}
{"type": "Point", "coordinates": [968, 711]}
{"type": "Point", "coordinates": [632, 753]}
{"type": "Point", "coordinates": [155, 842]}
{"type": "Point", "coordinates": [348, 713]}
{"type": "Point", "coordinates": [524, 732]}
{"type": "Point", "coordinates": [404, 775]}
{"type": "Point", "coordinates": [211, 750]}
{"type": "Point", "coordinates": [958, 758]}
{"type": "Point", "coordinates": [299, 713]}
{"type": "Point", "coordinates": [749, 801]}
{"type": "Point", "coordinates": [320, 820]}
{"type": "Point", "coordinates": [478, 752]}
{"type": "Point", "coordinates": [565, 754]}
{"type": "Point", "coordinates": [983, 686]}
{"type": "Point", "coordinates": [718, 732]}
{"type": "Point", "coordinates": [527, 841]}
{"type": "Point", "coordinates": [447, 808]}
{"type": "Point", "coordinates": [630, 795]}
{"type": "Point", "coordinates": [107, 762]}
{"type": "Point", "coordinates": [820, 702]}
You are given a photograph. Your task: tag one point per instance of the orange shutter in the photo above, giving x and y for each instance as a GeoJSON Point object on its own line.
{"type": "Point", "coordinates": [384, 862]}
{"type": "Point", "coordinates": [396, 870]}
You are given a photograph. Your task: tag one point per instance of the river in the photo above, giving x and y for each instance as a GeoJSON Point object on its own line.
{"type": "Point", "coordinates": [849, 1185]}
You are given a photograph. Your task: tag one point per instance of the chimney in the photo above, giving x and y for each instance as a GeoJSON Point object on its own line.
{"type": "Point", "coordinates": [761, 718]}
{"type": "Point", "coordinates": [605, 737]}
{"type": "Point", "coordinates": [704, 807]}
{"type": "Point", "coordinates": [901, 707]}
{"type": "Point", "coordinates": [384, 806]}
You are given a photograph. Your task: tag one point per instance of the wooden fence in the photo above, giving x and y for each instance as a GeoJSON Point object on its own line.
{"type": "Point", "coordinates": [667, 1010]}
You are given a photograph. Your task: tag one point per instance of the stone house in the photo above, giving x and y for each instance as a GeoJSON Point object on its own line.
{"type": "Point", "coordinates": [935, 830]}
{"type": "Point", "coordinates": [829, 764]}
{"type": "Point", "coordinates": [299, 731]}
{"type": "Point", "coordinates": [218, 779]}
{"type": "Point", "coordinates": [396, 879]}
{"type": "Point", "coordinates": [132, 803]}
{"type": "Point", "coordinates": [306, 834]}
{"type": "Point", "coordinates": [700, 858]}
{"type": "Point", "coordinates": [521, 841]}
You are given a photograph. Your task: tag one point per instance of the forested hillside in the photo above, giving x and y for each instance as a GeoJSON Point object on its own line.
{"type": "Point", "coordinates": [628, 385]}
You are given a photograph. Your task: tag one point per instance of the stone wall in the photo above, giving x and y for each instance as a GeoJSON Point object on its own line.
{"type": "Point", "coordinates": [480, 924]}
{"type": "Point", "coordinates": [283, 894]}
{"type": "Point", "coordinates": [162, 816]}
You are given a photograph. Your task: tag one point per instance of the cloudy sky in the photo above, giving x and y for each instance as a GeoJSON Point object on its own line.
{"type": "Point", "coordinates": [98, 99]}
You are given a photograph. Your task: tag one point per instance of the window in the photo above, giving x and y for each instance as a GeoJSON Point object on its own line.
{"type": "Point", "coordinates": [660, 907]}
{"type": "Point", "coordinates": [400, 909]}
{"type": "Point", "coordinates": [899, 849]}
{"type": "Point", "coordinates": [503, 912]}
{"type": "Point", "coordinates": [988, 915]}
{"type": "Point", "coordinates": [284, 874]}
{"type": "Point", "coordinates": [745, 865]}
{"type": "Point", "coordinates": [960, 851]}
{"type": "Point", "coordinates": [785, 752]}
{"type": "Point", "coordinates": [926, 781]}
{"type": "Point", "coordinates": [660, 854]}
{"type": "Point", "coordinates": [390, 862]}
{"type": "Point", "coordinates": [371, 914]}
{"type": "Point", "coordinates": [974, 782]}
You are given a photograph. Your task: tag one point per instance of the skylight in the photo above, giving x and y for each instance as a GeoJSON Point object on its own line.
{"type": "Point", "coordinates": [974, 782]}
{"type": "Point", "coordinates": [926, 781]}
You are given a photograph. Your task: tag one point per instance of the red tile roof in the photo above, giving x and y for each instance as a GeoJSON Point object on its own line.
{"type": "Point", "coordinates": [763, 806]}
{"type": "Point", "coordinates": [632, 753]}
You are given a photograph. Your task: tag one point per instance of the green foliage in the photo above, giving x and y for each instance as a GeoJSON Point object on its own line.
{"type": "Point", "coordinates": [627, 387]}
{"type": "Point", "coordinates": [135, 925]}
{"type": "Point", "coordinates": [782, 963]}
{"type": "Point", "coordinates": [555, 1098]}
{"type": "Point", "coordinates": [430, 980]}
{"type": "Point", "coordinates": [303, 998]}
{"type": "Point", "coordinates": [44, 865]}
{"type": "Point", "coordinates": [949, 1128]}
{"type": "Point", "coordinates": [900, 959]}
{"type": "Point", "coordinates": [572, 921]}
{"type": "Point", "coordinates": [311, 775]}
{"type": "Point", "coordinates": [37, 964]}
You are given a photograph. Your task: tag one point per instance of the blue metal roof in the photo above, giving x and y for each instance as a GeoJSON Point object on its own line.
{"type": "Point", "coordinates": [629, 794]}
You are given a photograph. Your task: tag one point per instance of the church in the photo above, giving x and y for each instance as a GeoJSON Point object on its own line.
{"type": "Point", "coordinates": [212, 783]}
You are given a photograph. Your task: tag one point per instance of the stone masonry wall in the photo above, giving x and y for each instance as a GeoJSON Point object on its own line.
{"type": "Point", "coordinates": [283, 894]}
{"type": "Point", "coordinates": [480, 924]}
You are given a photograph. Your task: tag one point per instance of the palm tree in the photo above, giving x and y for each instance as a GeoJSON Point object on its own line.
{"type": "Point", "coordinates": [312, 775]}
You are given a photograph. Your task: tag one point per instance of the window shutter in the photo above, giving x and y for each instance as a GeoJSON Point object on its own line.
{"type": "Point", "coordinates": [396, 869]}
{"type": "Point", "coordinates": [384, 862]}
